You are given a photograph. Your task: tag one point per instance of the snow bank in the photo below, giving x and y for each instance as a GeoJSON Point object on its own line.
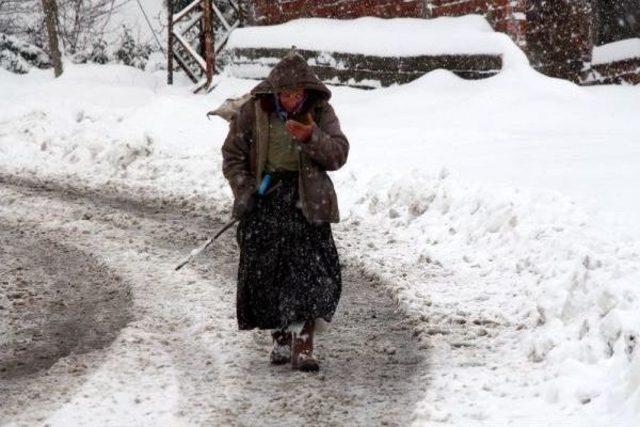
{"type": "Point", "coordinates": [510, 201]}
{"type": "Point", "coordinates": [616, 51]}
{"type": "Point", "coordinates": [376, 36]}
{"type": "Point", "coordinates": [499, 217]}
{"type": "Point", "coordinates": [532, 262]}
{"type": "Point", "coordinates": [102, 119]}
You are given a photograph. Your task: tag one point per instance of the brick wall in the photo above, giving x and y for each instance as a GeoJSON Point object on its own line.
{"type": "Point", "coordinates": [627, 71]}
{"type": "Point", "coordinates": [269, 12]}
{"type": "Point", "coordinates": [560, 37]}
{"type": "Point", "coordinates": [556, 35]}
{"type": "Point", "coordinates": [506, 16]}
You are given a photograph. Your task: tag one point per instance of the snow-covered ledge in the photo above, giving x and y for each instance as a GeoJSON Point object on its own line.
{"type": "Point", "coordinates": [617, 51]}
{"type": "Point", "coordinates": [370, 52]}
{"type": "Point", "coordinates": [615, 63]}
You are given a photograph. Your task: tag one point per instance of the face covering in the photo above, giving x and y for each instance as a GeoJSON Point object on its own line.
{"type": "Point", "coordinates": [283, 113]}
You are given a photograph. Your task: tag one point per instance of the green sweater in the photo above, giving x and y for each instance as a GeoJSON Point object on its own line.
{"type": "Point", "coordinates": [283, 149]}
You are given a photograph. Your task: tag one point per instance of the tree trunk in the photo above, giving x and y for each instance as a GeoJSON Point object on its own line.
{"type": "Point", "coordinates": [170, 12]}
{"type": "Point", "coordinates": [51, 17]}
{"type": "Point", "coordinates": [207, 28]}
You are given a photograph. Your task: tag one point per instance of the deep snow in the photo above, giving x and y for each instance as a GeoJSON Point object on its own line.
{"type": "Point", "coordinates": [521, 191]}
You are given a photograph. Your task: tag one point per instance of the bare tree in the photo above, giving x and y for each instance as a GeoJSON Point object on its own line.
{"type": "Point", "coordinates": [82, 21]}
{"type": "Point", "coordinates": [51, 17]}
{"type": "Point", "coordinates": [14, 16]}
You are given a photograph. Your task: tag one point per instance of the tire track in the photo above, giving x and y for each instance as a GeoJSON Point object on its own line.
{"type": "Point", "coordinates": [372, 370]}
{"type": "Point", "coordinates": [55, 300]}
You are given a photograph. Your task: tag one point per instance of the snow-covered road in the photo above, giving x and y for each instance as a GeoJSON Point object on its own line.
{"type": "Point", "coordinates": [179, 359]}
{"type": "Point", "coordinates": [500, 216]}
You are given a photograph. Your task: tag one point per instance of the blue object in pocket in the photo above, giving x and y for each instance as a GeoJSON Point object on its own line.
{"type": "Point", "coordinates": [264, 185]}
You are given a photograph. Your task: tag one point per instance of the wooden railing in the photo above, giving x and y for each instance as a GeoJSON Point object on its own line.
{"type": "Point", "coordinates": [192, 42]}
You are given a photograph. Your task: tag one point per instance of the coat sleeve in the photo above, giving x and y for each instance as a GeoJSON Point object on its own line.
{"type": "Point", "coordinates": [327, 146]}
{"type": "Point", "coordinates": [236, 165]}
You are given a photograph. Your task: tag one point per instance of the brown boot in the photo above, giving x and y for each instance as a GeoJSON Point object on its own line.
{"type": "Point", "coordinates": [302, 349]}
{"type": "Point", "coordinates": [281, 352]}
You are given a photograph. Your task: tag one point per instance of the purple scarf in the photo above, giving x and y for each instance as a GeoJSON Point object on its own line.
{"type": "Point", "coordinates": [282, 112]}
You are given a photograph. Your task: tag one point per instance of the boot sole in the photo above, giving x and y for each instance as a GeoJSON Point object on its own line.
{"type": "Point", "coordinates": [280, 362]}
{"type": "Point", "coordinates": [309, 367]}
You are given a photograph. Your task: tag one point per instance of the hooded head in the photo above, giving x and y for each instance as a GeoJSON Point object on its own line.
{"type": "Point", "coordinates": [291, 72]}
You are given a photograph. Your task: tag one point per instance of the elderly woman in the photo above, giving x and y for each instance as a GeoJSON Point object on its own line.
{"type": "Point", "coordinates": [276, 156]}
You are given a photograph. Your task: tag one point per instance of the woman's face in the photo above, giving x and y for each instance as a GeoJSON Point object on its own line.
{"type": "Point", "coordinates": [290, 98]}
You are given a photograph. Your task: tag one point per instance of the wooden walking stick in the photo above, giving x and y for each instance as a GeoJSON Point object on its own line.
{"type": "Point", "coordinates": [197, 251]}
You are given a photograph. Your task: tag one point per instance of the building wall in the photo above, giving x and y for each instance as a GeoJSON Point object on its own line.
{"type": "Point", "coordinates": [269, 12]}
{"type": "Point", "coordinates": [506, 16]}
{"type": "Point", "coordinates": [560, 37]}
{"type": "Point", "coordinates": [557, 35]}
{"type": "Point", "coordinates": [616, 20]}
{"type": "Point", "coordinates": [626, 71]}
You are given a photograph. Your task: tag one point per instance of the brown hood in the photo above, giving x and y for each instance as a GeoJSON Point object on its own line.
{"type": "Point", "coordinates": [290, 72]}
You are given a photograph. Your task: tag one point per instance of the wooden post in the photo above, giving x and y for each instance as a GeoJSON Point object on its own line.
{"type": "Point", "coordinates": [241, 11]}
{"type": "Point", "coordinates": [51, 17]}
{"type": "Point", "coordinates": [170, 43]}
{"type": "Point", "coordinates": [209, 54]}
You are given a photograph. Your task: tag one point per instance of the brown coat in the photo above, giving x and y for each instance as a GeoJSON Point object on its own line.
{"type": "Point", "coordinates": [245, 148]}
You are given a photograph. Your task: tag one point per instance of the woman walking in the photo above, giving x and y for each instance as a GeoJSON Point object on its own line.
{"type": "Point", "coordinates": [284, 140]}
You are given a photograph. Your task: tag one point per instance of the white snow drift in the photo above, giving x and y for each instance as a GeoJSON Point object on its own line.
{"type": "Point", "coordinates": [374, 36]}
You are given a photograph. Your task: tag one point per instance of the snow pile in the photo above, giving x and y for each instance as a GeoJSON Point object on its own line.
{"type": "Point", "coordinates": [115, 121]}
{"type": "Point", "coordinates": [502, 212]}
{"type": "Point", "coordinates": [531, 262]}
{"type": "Point", "coordinates": [616, 51]}
{"type": "Point", "coordinates": [510, 249]}
{"type": "Point", "coordinates": [375, 36]}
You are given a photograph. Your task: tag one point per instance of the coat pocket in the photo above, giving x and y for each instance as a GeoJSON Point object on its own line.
{"type": "Point", "coordinates": [320, 197]}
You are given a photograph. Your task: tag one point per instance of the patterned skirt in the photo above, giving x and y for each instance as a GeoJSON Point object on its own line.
{"type": "Point", "coordinates": [289, 269]}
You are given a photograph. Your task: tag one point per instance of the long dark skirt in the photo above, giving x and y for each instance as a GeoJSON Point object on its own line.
{"type": "Point", "coordinates": [289, 269]}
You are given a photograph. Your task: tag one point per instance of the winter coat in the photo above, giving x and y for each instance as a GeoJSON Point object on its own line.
{"type": "Point", "coordinates": [245, 148]}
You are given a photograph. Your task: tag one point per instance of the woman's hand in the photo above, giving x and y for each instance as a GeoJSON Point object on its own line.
{"type": "Point", "coordinates": [244, 204]}
{"type": "Point", "coordinates": [300, 131]}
